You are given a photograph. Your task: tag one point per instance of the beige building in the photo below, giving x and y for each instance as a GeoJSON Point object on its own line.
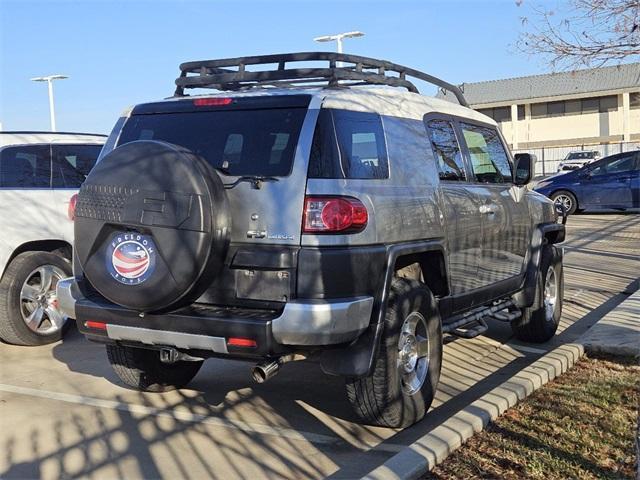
{"type": "Point", "coordinates": [585, 107]}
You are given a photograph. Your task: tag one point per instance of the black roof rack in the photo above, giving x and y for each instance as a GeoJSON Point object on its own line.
{"type": "Point", "coordinates": [231, 73]}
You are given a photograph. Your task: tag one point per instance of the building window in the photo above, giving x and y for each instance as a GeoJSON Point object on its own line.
{"type": "Point", "coordinates": [590, 105]}
{"type": "Point", "coordinates": [634, 100]}
{"type": "Point", "coordinates": [502, 114]}
{"type": "Point", "coordinates": [555, 109]}
{"type": "Point", "coordinates": [520, 112]}
{"type": "Point", "coordinates": [538, 110]}
{"type": "Point", "coordinates": [572, 107]}
{"type": "Point", "coordinates": [609, 103]}
{"type": "Point", "coordinates": [499, 114]}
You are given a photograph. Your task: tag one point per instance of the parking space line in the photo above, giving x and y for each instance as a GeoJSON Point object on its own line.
{"type": "Point", "coordinates": [288, 433]}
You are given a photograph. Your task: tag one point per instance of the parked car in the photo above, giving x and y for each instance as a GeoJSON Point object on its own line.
{"type": "Point", "coordinates": [611, 182]}
{"type": "Point", "coordinates": [39, 173]}
{"type": "Point", "coordinates": [579, 159]}
{"type": "Point", "coordinates": [339, 222]}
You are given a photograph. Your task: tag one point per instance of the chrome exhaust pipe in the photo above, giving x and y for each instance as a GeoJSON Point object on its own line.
{"type": "Point", "coordinates": [267, 370]}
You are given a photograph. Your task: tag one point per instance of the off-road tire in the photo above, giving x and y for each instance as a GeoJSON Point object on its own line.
{"type": "Point", "coordinates": [534, 325]}
{"type": "Point", "coordinates": [574, 201]}
{"type": "Point", "coordinates": [142, 369]}
{"type": "Point", "coordinates": [379, 398]}
{"type": "Point", "coordinates": [13, 329]}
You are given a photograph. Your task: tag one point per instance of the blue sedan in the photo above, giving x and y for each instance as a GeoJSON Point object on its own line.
{"type": "Point", "coordinates": [611, 182]}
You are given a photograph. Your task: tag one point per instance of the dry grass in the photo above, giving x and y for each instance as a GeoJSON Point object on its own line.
{"type": "Point", "coordinates": [582, 425]}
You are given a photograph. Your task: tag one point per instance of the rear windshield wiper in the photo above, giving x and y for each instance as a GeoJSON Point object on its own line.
{"type": "Point", "coordinates": [256, 181]}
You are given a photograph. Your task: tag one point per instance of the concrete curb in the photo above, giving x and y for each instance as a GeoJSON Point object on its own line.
{"type": "Point", "coordinates": [421, 456]}
{"type": "Point", "coordinates": [618, 332]}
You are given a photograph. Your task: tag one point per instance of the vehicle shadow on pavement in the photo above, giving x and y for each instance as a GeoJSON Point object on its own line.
{"type": "Point", "coordinates": [298, 425]}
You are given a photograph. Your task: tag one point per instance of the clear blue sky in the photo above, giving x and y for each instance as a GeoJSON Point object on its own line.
{"type": "Point", "coordinates": [122, 53]}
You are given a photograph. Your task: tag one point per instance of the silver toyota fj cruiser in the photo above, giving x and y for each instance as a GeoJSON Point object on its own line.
{"type": "Point", "coordinates": [311, 210]}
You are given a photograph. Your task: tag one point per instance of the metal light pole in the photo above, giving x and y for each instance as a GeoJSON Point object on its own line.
{"type": "Point", "coordinates": [338, 39]}
{"type": "Point", "coordinates": [49, 79]}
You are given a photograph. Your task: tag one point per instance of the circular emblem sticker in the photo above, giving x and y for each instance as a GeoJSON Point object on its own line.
{"type": "Point", "coordinates": [131, 258]}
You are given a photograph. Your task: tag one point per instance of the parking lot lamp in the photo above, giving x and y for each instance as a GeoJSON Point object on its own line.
{"type": "Point", "coordinates": [338, 39]}
{"type": "Point", "coordinates": [49, 79]}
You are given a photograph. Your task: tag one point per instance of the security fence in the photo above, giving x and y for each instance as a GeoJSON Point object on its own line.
{"type": "Point", "coordinates": [548, 158]}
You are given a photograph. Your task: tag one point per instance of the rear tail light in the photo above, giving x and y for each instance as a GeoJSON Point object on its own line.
{"type": "Point", "coordinates": [242, 342]}
{"type": "Point", "coordinates": [71, 211]}
{"type": "Point", "coordinates": [334, 215]}
{"type": "Point", "coordinates": [95, 325]}
{"type": "Point", "coordinates": [212, 102]}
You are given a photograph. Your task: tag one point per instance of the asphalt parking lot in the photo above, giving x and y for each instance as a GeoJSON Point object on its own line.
{"type": "Point", "coordinates": [64, 414]}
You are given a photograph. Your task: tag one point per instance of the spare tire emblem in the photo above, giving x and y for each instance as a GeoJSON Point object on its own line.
{"type": "Point", "coordinates": [131, 258]}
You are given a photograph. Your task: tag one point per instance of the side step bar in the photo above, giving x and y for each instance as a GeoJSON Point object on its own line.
{"type": "Point", "coordinates": [472, 323]}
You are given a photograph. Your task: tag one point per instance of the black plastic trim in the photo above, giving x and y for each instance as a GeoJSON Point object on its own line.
{"type": "Point", "coordinates": [198, 319]}
{"type": "Point", "coordinates": [554, 227]}
{"type": "Point", "coordinates": [335, 272]}
{"type": "Point", "coordinates": [356, 359]}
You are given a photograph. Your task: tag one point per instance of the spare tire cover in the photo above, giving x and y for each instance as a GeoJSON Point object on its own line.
{"type": "Point", "coordinates": [152, 226]}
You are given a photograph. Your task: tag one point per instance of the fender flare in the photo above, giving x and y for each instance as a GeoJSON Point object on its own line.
{"type": "Point", "coordinates": [544, 234]}
{"type": "Point", "coordinates": [357, 358]}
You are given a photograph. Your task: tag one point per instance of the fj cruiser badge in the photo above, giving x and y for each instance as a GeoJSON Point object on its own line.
{"type": "Point", "coordinates": [131, 258]}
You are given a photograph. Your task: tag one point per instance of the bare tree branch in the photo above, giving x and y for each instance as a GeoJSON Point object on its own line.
{"type": "Point", "coordinates": [591, 33]}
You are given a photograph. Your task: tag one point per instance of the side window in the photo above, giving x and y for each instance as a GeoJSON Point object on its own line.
{"type": "Point", "coordinates": [25, 166]}
{"type": "Point", "coordinates": [624, 163]}
{"type": "Point", "coordinates": [447, 151]}
{"type": "Point", "coordinates": [348, 144]}
{"type": "Point", "coordinates": [599, 168]}
{"type": "Point", "coordinates": [324, 161]}
{"type": "Point", "coordinates": [72, 164]}
{"type": "Point", "coordinates": [489, 159]}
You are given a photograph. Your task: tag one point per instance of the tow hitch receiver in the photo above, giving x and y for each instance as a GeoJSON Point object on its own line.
{"type": "Point", "coordinates": [173, 355]}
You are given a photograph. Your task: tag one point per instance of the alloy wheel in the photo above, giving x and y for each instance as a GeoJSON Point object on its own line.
{"type": "Point", "coordinates": [550, 294]}
{"type": "Point", "coordinates": [565, 201]}
{"type": "Point", "coordinates": [39, 302]}
{"type": "Point", "coordinates": [413, 353]}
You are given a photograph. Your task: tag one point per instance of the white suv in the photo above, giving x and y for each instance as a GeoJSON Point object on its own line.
{"type": "Point", "coordinates": [40, 172]}
{"type": "Point", "coordinates": [578, 159]}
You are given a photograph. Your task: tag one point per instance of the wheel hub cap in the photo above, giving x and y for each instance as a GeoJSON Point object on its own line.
{"type": "Point", "coordinates": [409, 353]}
{"type": "Point", "coordinates": [38, 301]}
{"type": "Point", "coordinates": [564, 201]}
{"type": "Point", "coordinates": [413, 353]}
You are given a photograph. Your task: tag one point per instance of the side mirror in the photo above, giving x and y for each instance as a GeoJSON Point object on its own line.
{"type": "Point", "coordinates": [525, 164]}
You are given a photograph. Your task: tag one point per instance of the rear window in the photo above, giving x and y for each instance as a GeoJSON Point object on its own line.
{"type": "Point", "coordinates": [25, 166]}
{"type": "Point", "coordinates": [348, 144]}
{"type": "Point", "coordinates": [244, 142]}
{"type": "Point", "coordinates": [72, 163]}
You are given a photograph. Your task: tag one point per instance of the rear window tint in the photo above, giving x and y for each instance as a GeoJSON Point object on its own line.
{"type": "Point", "coordinates": [244, 142]}
{"type": "Point", "coordinates": [348, 144]}
{"type": "Point", "coordinates": [72, 163]}
{"type": "Point", "coordinates": [25, 166]}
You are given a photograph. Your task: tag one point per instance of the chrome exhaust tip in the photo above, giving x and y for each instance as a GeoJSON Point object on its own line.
{"type": "Point", "coordinates": [265, 371]}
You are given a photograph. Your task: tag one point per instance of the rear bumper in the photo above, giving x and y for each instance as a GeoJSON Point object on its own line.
{"type": "Point", "coordinates": [302, 323]}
